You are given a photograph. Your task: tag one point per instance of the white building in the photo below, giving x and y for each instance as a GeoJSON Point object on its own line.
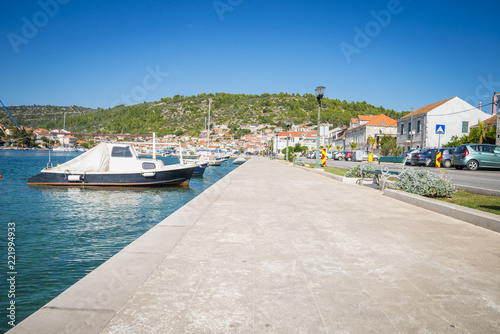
{"type": "Point", "coordinates": [364, 127]}
{"type": "Point", "coordinates": [434, 125]}
{"type": "Point", "coordinates": [304, 138]}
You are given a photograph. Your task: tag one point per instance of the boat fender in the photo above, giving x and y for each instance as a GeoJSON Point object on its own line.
{"type": "Point", "coordinates": [149, 174]}
{"type": "Point", "coordinates": [75, 178]}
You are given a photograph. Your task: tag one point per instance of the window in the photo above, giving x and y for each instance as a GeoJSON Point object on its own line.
{"type": "Point", "coordinates": [465, 127]}
{"type": "Point", "coordinates": [402, 128]}
{"type": "Point", "coordinates": [418, 126]}
{"type": "Point", "coordinates": [121, 152]}
{"type": "Point", "coordinates": [409, 128]}
{"type": "Point", "coordinates": [148, 165]}
{"type": "Point", "coordinates": [484, 148]}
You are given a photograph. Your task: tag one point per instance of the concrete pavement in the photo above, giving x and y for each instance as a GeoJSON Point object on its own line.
{"type": "Point", "coordinates": [274, 249]}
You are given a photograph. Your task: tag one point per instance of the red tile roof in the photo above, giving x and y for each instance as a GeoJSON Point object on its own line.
{"type": "Point", "coordinates": [378, 120]}
{"type": "Point", "coordinates": [365, 117]}
{"type": "Point", "coordinates": [427, 108]}
{"type": "Point", "coordinates": [489, 121]}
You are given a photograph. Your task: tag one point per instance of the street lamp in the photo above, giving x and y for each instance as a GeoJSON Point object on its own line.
{"type": "Point", "coordinates": [287, 127]}
{"type": "Point", "coordinates": [320, 91]}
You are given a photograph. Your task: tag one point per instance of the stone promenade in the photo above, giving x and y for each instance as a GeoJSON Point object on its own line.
{"type": "Point", "coordinates": [275, 249]}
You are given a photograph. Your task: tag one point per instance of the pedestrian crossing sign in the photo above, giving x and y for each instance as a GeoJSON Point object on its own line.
{"type": "Point", "coordinates": [440, 129]}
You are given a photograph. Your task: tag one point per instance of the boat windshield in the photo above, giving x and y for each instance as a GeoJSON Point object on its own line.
{"type": "Point", "coordinates": [121, 152]}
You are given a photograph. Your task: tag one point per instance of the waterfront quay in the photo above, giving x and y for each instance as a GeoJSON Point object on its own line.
{"type": "Point", "coordinates": [273, 248]}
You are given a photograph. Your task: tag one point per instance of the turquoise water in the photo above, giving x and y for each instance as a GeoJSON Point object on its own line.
{"type": "Point", "coordinates": [62, 234]}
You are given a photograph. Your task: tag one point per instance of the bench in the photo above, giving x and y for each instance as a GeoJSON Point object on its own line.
{"type": "Point", "coordinates": [392, 167]}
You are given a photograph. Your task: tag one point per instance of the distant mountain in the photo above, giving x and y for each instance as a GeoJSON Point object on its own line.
{"type": "Point", "coordinates": [187, 114]}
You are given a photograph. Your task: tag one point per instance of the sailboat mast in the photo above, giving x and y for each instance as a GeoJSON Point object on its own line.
{"type": "Point", "coordinates": [208, 133]}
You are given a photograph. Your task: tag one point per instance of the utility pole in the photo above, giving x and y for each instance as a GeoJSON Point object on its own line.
{"type": "Point", "coordinates": [411, 129]}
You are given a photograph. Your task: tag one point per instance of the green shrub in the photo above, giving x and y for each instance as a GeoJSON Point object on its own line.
{"type": "Point", "coordinates": [425, 183]}
{"type": "Point", "coordinates": [355, 171]}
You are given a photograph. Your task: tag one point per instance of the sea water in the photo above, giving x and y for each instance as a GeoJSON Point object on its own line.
{"type": "Point", "coordinates": [53, 236]}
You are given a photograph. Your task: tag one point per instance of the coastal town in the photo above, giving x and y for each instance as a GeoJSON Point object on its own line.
{"type": "Point", "coordinates": [413, 131]}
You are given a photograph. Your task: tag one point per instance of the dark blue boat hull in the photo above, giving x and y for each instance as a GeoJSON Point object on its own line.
{"type": "Point", "coordinates": [161, 178]}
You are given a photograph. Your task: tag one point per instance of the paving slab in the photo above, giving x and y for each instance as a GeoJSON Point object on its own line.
{"type": "Point", "coordinates": [273, 248]}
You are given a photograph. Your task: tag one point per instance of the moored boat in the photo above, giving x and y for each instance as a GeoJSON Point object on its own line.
{"type": "Point", "coordinates": [201, 166]}
{"type": "Point", "coordinates": [212, 161]}
{"type": "Point", "coordinates": [239, 161]}
{"type": "Point", "coordinates": [113, 164]}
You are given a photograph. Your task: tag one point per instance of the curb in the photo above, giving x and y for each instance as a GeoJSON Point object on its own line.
{"type": "Point", "coordinates": [486, 220]}
{"type": "Point", "coordinates": [480, 191]}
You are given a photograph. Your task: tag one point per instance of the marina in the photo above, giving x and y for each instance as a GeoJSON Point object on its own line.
{"type": "Point", "coordinates": [64, 233]}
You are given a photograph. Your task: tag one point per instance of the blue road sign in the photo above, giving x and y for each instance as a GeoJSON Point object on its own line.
{"type": "Point", "coordinates": [440, 129]}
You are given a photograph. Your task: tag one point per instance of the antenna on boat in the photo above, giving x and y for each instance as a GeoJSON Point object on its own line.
{"type": "Point", "coordinates": [180, 153]}
{"type": "Point", "coordinates": [154, 146]}
{"type": "Point", "coordinates": [49, 163]}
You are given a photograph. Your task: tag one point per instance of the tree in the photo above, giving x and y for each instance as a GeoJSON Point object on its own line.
{"type": "Point", "coordinates": [482, 131]}
{"type": "Point", "coordinates": [372, 141]}
{"type": "Point", "coordinates": [23, 138]}
{"type": "Point", "coordinates": [354, 145]}
{"type": "Point", "coordinates": [387, 138]}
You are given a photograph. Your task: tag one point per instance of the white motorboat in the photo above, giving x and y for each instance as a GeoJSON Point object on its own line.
{"type": "Point", "coordinates": [113, 164]}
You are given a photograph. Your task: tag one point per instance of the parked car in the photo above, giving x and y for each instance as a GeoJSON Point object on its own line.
{"type": "Point", "coordinates": [311, 155]}
{"type": "Point", "coordinates": [474, 156]}
{"type": "Point", "coordinates": [348, 156]}
{"type": "Point", "coordinates": [423, 157]}
{"type": "Point", "coordinates": [408, 154]}
{"type": "Point", "coordinates": [446, 156]}
{"type": "Point", "coordinates": [339, 155]}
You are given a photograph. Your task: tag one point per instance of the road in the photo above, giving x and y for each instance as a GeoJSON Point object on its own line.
{"type": "Point", "coordinates": [483, 178]}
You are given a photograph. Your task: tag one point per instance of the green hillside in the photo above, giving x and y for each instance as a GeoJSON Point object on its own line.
{"type": "Point", "coordinates": [186, 114]}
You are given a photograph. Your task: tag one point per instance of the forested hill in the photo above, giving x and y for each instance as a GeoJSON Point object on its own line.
{"type": "Point", "coordinates": [186, 114]}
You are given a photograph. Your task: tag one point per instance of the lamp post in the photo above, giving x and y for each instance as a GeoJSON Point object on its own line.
{"type": "Point", "coordinates": [320, 91]}
{"type": "Point", "coordinates": [287, 127]}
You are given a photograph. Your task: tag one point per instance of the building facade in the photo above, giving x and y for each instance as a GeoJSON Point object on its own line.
{"type": "Point", "coordinates": [365, 127]}
{"type": "Point", "coordinates": [433, 125]}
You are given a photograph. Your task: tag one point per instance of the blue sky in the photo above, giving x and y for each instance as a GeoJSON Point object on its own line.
{"type": "Point", "coordinates": [395, 54]}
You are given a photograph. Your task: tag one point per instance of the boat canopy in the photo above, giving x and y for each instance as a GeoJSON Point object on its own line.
{"type": "Point", "coordinates": [94, 160]}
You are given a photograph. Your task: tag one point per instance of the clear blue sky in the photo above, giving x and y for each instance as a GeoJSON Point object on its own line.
{"type": "Point", "coordinates": [396, 54]}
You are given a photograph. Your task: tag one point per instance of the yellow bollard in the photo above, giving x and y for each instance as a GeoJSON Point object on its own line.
{"type": "Point", "coordinates": [370, 157]}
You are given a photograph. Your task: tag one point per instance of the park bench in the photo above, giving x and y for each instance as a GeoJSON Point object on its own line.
{"type": "Point", "coordinates": [391, 167]}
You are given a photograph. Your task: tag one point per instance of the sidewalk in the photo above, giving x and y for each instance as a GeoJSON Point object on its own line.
{"type": "Point", "coordinates": [276, 249]}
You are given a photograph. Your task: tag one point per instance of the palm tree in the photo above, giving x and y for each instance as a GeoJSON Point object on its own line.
{"type": "Point", "coordinates": [482, 131]}
{"type": "Point", "coordinates": [372, 141]}
{"type": "Point", "coordinates": [354, 145]}
{"type": "Point", "coordinates": [23, 137]}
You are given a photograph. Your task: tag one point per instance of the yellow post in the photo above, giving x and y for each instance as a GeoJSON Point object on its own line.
{"type": "Point", "coordinates": [438, 159]}
{"type": "Point", "coordinates": [370, 157]}
{"type": "Point", "coordinates": [323, 156]}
